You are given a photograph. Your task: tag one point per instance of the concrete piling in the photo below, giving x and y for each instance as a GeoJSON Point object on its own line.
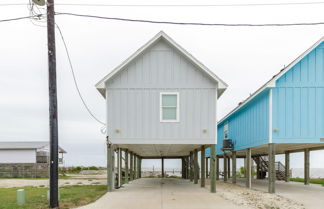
{"type": "Point", "coordinates": [126, 167]}
{"type": "Point", "coordinates": [287, 167]}
{"type": "Point", "coordinates": [234, 167]}
{"type": "Point", "coordinates": [225, 164]}
{"type": "Point", "coordinates": [228, 167]}
{"type": "Point", "coordinates": [306, 167]}
{"type": "Point", "coordinates": [248, 168]}
{"type": "Point", "coordinates": [203, 166]}
{"type": "Point", "coordinates": [213, 166]}
{"type": "Point", "coordinates": [271, 168]}
{"type": "Point", "coordinates": [191, 166]}
{"type": "Point", "coordinates": [131, 167]}
{"type": "Point", "coordinates": [162, 165]}
{"type": "Point", "coordinates": [110, 177]}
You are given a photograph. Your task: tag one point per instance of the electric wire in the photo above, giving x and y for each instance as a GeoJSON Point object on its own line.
{"type": "Point", "coordinates": [74, 78]}
{"type": "Point", "coordinates": [192, 23]}
{"type": "Point", "coordinates": [177, 5]}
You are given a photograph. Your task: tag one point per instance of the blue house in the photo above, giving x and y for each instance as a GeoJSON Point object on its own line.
{"type": "Point", "coordinates": [285, 115]}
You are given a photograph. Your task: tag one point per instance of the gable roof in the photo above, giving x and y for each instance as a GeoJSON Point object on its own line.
{"type": "Point", "coordinates": [272, 82]}
{"type": "Point", "coordinates": [161, 35]}
{"type": "Point", "coordinates": [26, 145]}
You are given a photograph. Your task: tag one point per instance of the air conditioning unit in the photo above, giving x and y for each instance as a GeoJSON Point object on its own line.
{"type": "Point", "coordinates": [228, 144]}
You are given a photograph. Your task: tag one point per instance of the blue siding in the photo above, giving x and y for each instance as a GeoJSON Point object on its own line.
{"type": "Point", "coordinates": [298, 101]}
{"type": "Point", "coordinates": [249, 126]}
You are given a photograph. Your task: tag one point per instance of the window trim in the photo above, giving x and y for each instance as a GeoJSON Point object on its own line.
{"type": "Point", "coordinates": [177, 108]}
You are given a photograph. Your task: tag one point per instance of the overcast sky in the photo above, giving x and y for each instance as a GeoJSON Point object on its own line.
{"type": "Point", "coordinates": [245, 58]}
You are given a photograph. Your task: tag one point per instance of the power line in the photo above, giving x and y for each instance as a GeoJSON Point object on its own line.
{"type": "Point", "coordinates": [176, 5]}
{"type": "Point", "coordinates": [74, 78]}
{"type": "Point", "coordinates": [19, 18]}
{"type": "Point", "coordinates": [192, 23]}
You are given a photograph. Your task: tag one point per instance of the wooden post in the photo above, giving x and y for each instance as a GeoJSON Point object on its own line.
{"type": "Point", "coordinates": [182, 168]}
{"type": "Point", "coordinates": [306, 167]}
{"type": "Point", "coordinates": [139, 167]}
{"type": "Point", "coordinates": [135, 166]}
{"type": "Point", "coordinates": [119, 167]}
{"type": "Point", "coordinates": [287, 167]}
{"type": "Point", "coordinates": [225, 167]}
{"type": "Point", "coordinates": [207, 174]}
{"type": "Point", "coordinates": [234, 167]}
{"type": "Point", "coordinates": [162, 162]}
{"type": "Point", "coordinates": [196, 170]}
{"type": "Point", "coordinates": [187, 168]}
{"type": "Point", "coordinates": [131, 167]}
{"type": "Point", "coordinates": [248, 168]}
{"type": "Point", "coordinates": [271, 168]}
{"type": "Point", "coordinates": [213, 168]}
{"type": "Point", "coordinates": [229, 167]}
{"type": "Point", "coordinates": [191, 166]}
{"type": "Point", "coordinates": [110, 177]}
{"type": "Point", "coordinates": [203, 166]}
{"type": "Point", "coordinates": [126, 166]}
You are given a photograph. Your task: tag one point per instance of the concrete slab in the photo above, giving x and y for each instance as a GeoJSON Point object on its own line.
{"type": "Point", "coordinates": [156, 193]}
{"type": "Point", "coordinates": [311, 196]}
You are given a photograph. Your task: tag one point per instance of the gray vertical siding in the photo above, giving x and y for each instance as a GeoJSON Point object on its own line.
{"type": "Point", "coordinates": [134, 100]}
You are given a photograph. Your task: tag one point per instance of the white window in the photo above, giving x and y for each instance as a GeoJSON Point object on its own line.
{"type": "Point", "coordinates": [169, 107]}
{"type": "Point", "coordinates": [226, 130]}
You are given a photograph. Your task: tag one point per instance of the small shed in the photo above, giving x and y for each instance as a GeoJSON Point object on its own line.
{"type": "Point", "coordinates": [25, 159]}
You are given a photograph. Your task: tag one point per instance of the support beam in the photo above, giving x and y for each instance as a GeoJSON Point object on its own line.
{"type": "Point", "coordinates": [271, 168]}
{"type": "Point", "coordinates": [131, 167]}
{"type": "Point", "coordinates": [138, 174]}
{"type": "Point", "coordinates": [306, 167]}
{"type": "Point", "coordinates": [258, 168]}
{"type": "Point", "coordinates": [191, 166]}
{"type": "Point", "coordinates": [140, 167]}
{"type": "Point", "coordinates": [135, 167]}
{"type": "Point", "coordinates": [188, 167]}
{"type": "Point", "coordinates": [234, 167]}
{"type": "Point", "coordinates": [119, 167]}
{"type": "Point", "coordinates": [196, 169]}
{"type": "Point", "coordinates": [207, 174]}
{"type": "Point", "coordinates": [126, 167]}
{"type": "Point", "coordinates": [228, 167]}
{"type": "Point", "coordinates": [248, 168]}
{"type": "Point", "coordinates": [225, 167]}
{"type": "Point", "coordinates": [217, 167]}
{"type": "Point", "coordinates": [203, 166]}
{"type": "Point", "coordinates": [182, 168]}
{"type": "Point", "coordinates": [162, 162]}
{"type": "Point", "coordinates": [110, 181]}
{"type": "Point", "coordinates": [213, 168]}
{"type": "Point", "coordinates": [287, 167]}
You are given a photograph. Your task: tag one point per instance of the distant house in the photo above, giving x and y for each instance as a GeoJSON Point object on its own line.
{"type": "Point", "coordinates": [25, 159]}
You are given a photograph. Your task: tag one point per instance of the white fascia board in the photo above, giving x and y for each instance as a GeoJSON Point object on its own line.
{"type": "Point", "coordinates": [101, 84]}
{"type": "Point", "coordinates": [272, 82]}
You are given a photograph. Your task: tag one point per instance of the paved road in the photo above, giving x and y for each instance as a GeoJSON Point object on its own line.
{"type": "Point", "coordinates": [155, 193]}
{"type": "Point", "coordinates": [311, 196]}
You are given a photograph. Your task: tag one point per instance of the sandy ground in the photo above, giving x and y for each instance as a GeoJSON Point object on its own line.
{"type": "Point", "coordinates": [311, 196]}
{"type": "Point", "coordinates": [156, 193]}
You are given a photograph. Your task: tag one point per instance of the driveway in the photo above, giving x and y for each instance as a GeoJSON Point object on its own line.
{"type": "Point", "coordinates": [156, 193]}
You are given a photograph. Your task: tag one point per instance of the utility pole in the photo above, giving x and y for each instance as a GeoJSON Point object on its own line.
{"type": "Point", "coordinates": [53, 120]}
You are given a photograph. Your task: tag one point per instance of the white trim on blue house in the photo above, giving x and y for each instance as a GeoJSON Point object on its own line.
{"type": "Point", "coordinates": [272, 82]}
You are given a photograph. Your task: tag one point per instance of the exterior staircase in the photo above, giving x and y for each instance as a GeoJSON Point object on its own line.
{"type": "Point", "coordinates": [264, 165]}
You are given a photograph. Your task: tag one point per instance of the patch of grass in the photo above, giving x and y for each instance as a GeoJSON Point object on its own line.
{"type": "Point", "coordinates": [312, 181]}
{"type": "Point", "coordinates": [36, 197]}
